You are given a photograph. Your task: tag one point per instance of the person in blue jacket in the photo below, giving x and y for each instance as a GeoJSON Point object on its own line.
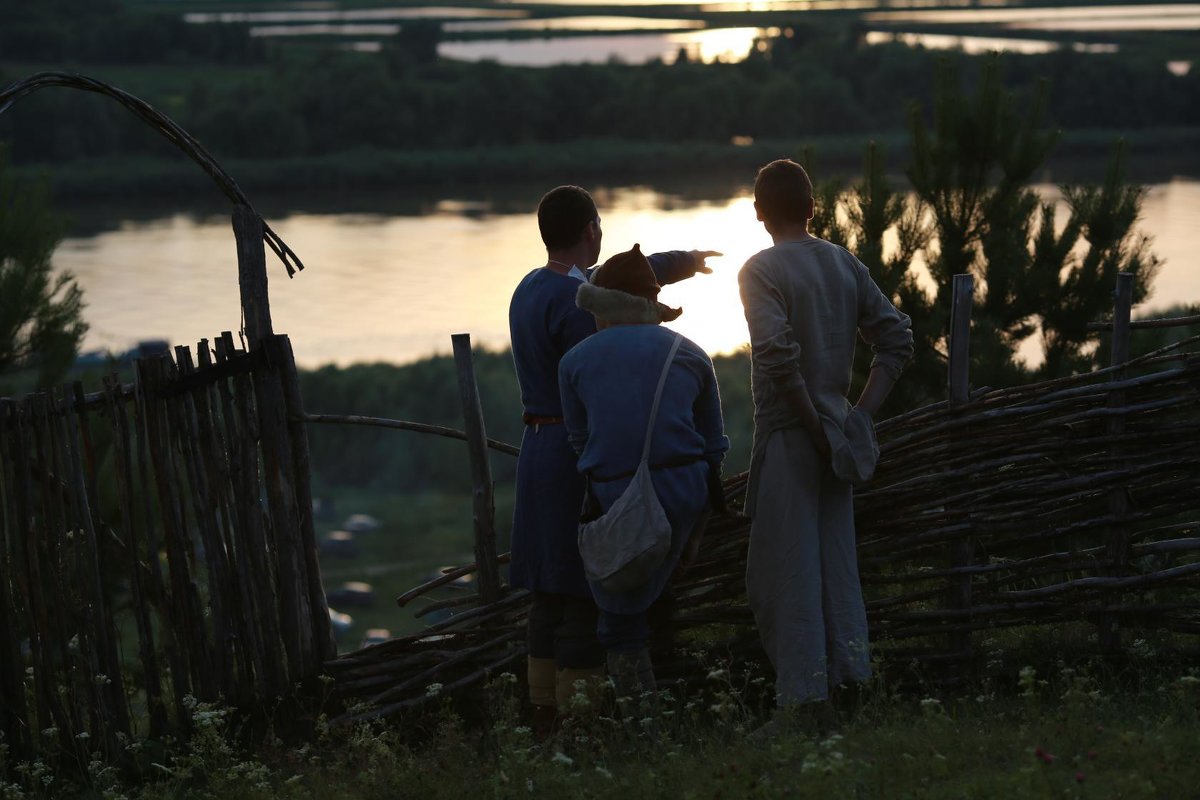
{"type": "Point", "coordinates": [608, 384]}
{"type": "Point", "coordinates": [544, 323]}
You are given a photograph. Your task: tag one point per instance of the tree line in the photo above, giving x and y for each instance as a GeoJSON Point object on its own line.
{"type": "Point", "coordinates": [282, 101]}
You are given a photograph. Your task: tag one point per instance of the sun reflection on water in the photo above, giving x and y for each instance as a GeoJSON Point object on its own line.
{"type": "Point", "coordinates": [712, 310]}
{"type": "Point", "coordinates": [718, 44]}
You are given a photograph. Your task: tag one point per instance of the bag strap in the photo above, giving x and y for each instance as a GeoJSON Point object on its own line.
{"type": "Point", "coordinates": [662, 381]}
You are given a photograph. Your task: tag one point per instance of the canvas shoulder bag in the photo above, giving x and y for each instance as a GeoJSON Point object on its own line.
{"type": "Point", "coordinates": [623, 547]}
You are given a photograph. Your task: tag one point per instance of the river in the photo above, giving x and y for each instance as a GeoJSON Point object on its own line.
{"type": "Point", "coordinates": [393, 284]}
{"type": "Point", "coordinates": [634, 32]}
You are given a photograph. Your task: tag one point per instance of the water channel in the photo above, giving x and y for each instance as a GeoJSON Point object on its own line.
{"type": "Point", "coordinates": [636, 39]}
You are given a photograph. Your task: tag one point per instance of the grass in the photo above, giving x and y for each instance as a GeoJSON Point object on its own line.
{"type": "Point", "coordinates": [1088, 731]}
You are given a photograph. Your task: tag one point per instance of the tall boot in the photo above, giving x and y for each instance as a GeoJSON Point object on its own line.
{"type": "Point", "coordinates": [542, 676]}
{"type": "Point", "coordinates": [632, 674]}
{"type": "Point", "coordinates": [568, 685]}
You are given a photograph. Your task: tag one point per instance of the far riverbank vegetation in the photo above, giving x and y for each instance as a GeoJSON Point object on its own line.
{"type": "Point", "coordinates": [304, 115]}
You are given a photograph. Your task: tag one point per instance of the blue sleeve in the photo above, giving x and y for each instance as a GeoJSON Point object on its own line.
{"type": "Point", "coordinates": [672, 266]}
{"type": "Point", "coordinates": [573, 325]}
{"type": "Point", "coordinates": [706, 412]}
{"type": "Point", "coordinates": [577, 325]}
{"type": "Point", "coordinates": [574, 412]}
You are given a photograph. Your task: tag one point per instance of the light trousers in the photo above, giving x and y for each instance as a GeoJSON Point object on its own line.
{"type": "Point", "coordinates": [802, 573]}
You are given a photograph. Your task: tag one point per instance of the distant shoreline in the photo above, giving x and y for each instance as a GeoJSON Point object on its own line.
{"type": "Point", "coordinates": [1153, 153]}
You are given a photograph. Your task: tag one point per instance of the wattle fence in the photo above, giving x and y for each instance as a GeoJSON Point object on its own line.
{"type": "Point", "coordinates": [156, 538]}
{"type": "Point", "coordinates": [199, 577]}
{"type": "Point", "coordinates": [1060, 507]}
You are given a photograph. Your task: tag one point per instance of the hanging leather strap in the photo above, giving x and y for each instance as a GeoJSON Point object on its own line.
{"type": "Point", "coordinates": [662, 381]}
{"type": "Point", "coordinates": [591, 507]}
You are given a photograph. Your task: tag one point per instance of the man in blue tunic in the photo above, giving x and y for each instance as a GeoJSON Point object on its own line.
{"type": "Point", "coordinates": [544, 323]}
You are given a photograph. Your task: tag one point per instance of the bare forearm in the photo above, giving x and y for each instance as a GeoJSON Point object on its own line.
{"type": "Point", "coordinates": [879, 385]}
{"type": "Point", "coordinates": [802, 405]}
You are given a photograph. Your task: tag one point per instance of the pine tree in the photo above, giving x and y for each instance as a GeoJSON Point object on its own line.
{"type": "Point", "coordinates": [873, 208]}
{"type": "Point", "coordinates": [972, 211]}
{"type": "Point", "coordinates": [41, 323]}
{"type": "Point", "coordinates": [1103, 217]}
{"type": "Point", "coordinates": [973, 169]}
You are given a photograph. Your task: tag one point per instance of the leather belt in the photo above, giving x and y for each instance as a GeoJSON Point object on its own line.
{"type": "Point", "coordinates": [536, 419]}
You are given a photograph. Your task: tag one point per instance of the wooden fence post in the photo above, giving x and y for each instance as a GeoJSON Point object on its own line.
{"type": "Point", "coordinates": [302, 470]}
{"type": "Point", "coordinates": [14, 713]}
{"type": "Point", "coordinates": [291, 562]}
{"type": "Point", "coordinates": [484, 505]}
{"type": "Point", "coordinates": [104, 658]}
{"type": "Point", "coordinates": [172, 632]}
{"type": "Point", "coordinates": [142, 597]}
{"type": "Point", "coordinates": [958, 391]}
{"type": "Point", "coordinates": [1117, 545]}
{"type": "Point", "coordinates": [252, 275]}
{"type": "Point", "coordinates": [958, 374]}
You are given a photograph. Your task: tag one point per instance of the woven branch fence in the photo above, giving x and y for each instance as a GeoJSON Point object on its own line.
{"type": "Point", "coordinates": [1055, 505]}
{"type": "Point", "coordinates": [156, 538]}
{"type": "Point", "coordinates": [199, 580]}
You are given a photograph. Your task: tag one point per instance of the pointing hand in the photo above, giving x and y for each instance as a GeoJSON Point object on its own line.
{"type": "Point", "coordinates": [698, 257]}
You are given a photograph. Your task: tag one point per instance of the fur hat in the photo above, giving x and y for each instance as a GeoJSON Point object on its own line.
{"type": "Point", "coordinates": [624, 290]}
